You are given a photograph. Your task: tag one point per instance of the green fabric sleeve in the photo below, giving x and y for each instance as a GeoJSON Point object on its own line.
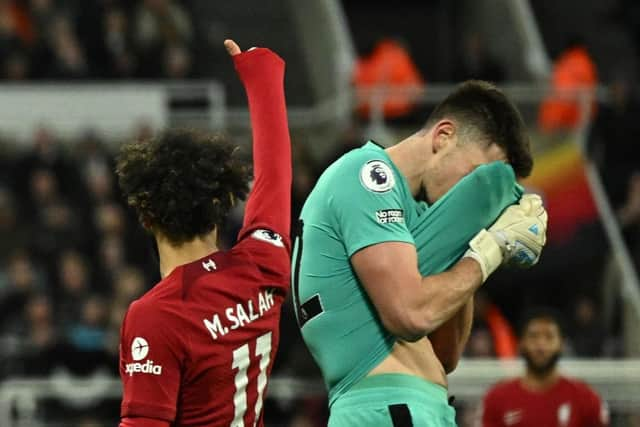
{"type": "Point", "coordinates": [366, 212]}
{"type": "Point", "coordinates": [443, 231]}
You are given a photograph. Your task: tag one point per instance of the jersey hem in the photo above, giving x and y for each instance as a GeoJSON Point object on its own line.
{"type": "Point", "coordinates": [146, 410]}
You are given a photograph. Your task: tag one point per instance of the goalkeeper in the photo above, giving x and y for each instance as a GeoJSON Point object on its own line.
{"type": "Point", "coordinates": [383, 283]}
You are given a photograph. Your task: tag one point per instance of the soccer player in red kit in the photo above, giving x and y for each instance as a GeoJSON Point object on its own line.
{"type": "Point", "coordinates": [197, 349]}
{"type": "Point", "coordinates": [543, 397]}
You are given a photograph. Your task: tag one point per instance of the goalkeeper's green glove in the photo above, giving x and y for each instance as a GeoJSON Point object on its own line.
{"type": "Point", "coordinates": [515, 239]}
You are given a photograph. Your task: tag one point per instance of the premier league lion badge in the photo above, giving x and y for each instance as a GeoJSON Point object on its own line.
{"type": "Point", "coordinates": [377, 176]}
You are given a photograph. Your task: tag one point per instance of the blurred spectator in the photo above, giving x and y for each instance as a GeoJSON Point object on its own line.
{"type": "Point", "coordinates": [614, 139]}
{"type": "Point", "coordinates": [162, 22]}
{"type": "Point", "coordinates": [69, 61]}
{"type": "Point", "coordinates": [15, 20]}
{"type": "Point", "coordinates": [118, 44]}
{"type": "Point", "coordinates": [476, 62]}
{"type": "Point", "coordinates": [89, 333]}
{"type": "Point", "coordinates": [43, 14]}
{"type": "Point", "coordinates": [48, 39]}
{"type": "Point", "coordinates": [73, 287]}
{"type": "Point", "coordinates": [573, 69]}
{"type": "Point", "coordinates": [45, 154]}
{"type": "Point", "coordinates": [111, 257]}
{"type": "Point", "coordinates": [129, 285]}
{"type": "Point", "coordinates": [15, 35]}
{"type": "Point", "coordinates": [537, 397]}
{"type": "Point", "coordinates": [41, 336]}
{"type": "Point", "coordinates": [109, 219]}
{"type": "Point", "coordinates": [13, 236]}
{"type": "Point", "coordinates": [112, 339]}
{"type": "Point", "coordinates": [94, 160]}
{"type": "Point", "coordinates": [389, 65]}
{"type": "Point", "coordinates": [160, 25]}
{"type": "Point", "coordinates": [492, 335]}
{"type": "Point", "coordinates": [44, 187]}
{"type": "Point", "coordinates": [16, 66]}
{"type": "Point", "coordinates": [480, 344]}
{"type": "Point", "coordinates": [54, 223]}
{"type": "Point", "coordinates": [19, 283]}
{"type": "Point", "coordinates": [99, 182]}
{"type": "Point", "coordinates": [177, 64]}
{"type": "Point", "coordinates": [588, 334]}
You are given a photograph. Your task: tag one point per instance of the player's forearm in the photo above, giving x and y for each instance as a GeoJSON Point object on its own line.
{"type": "Point", "coordinates": [449, 340]}
{"type": "Point", "coordinates": [466, 322]}
{"type": "Point", "coordinates": [446, 293]}
{"type": "Point", "coordinates": [262, 73]}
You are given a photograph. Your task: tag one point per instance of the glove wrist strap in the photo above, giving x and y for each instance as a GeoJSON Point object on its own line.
{"type": "Point", "coordinates": [484, 249]}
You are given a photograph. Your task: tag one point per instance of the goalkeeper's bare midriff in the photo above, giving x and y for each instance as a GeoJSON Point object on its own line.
{"type": "Point", "coordinates": [413, 358]}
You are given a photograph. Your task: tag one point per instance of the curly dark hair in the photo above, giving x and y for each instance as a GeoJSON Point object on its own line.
{"type": "Point", "coordinates": [182, 183]}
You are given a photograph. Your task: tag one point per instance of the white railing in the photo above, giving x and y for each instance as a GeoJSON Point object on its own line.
{"type": "Point", "coordinates": [112, 109]}
{"type": "Point", "coordinates": [617, 382]}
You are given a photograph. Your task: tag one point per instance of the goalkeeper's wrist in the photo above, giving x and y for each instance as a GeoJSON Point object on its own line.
{"type": "Point", "coordinates": [486, 251]}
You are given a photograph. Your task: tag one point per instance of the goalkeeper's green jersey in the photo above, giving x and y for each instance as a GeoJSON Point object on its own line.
{"type": "Point", "coordinates": [361, 200]}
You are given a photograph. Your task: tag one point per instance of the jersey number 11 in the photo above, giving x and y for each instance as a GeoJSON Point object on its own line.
{"type": "Point", "coordinates": [241, 363]}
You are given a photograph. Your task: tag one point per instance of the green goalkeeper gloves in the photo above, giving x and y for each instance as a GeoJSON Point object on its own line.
{"type": "Point", "coordinates": [515, 239]}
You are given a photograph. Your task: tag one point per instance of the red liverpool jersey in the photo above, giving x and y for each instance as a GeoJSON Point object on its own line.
{"type": "Point", "coordinates": [197, 349]}
{"type": "Point", "coordinates": [568, 403]}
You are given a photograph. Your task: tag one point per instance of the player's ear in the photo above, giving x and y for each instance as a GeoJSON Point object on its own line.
{"type": "Point", "coordinates": [444, 134]}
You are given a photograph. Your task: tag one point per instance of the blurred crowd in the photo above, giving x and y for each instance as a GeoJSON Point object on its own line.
{"type": "Point", "coordinates": [110, 39]}
{"type": "Point", "coordinates": [72, 258]}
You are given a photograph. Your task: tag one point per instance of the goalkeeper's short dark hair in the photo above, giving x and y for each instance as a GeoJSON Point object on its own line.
{"type": "Point", "coordinates": [541, 313]}
{"type": "Point", "coordinates": [485, 111]}
{"type": "Point", "coordinates": [182, 183]}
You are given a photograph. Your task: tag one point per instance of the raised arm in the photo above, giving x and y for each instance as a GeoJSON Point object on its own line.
{"type": "Point", "coordinates": [269, 204]}
{"type": "Point", "coordinates": [412, 306]}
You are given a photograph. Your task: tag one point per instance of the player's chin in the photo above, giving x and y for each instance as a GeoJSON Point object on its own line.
{"type": "Point", "coordinates": [542, 364]}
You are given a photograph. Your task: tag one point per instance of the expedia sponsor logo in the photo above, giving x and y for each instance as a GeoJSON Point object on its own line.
{"type": "Point", "coordinates": [143, 368]}
{"type": "Point", "coordinates": [139, 348]}
{"type": "Point", "coordinates": [389, 216]}
{"type": "Point", "coordinates": [139, 351]}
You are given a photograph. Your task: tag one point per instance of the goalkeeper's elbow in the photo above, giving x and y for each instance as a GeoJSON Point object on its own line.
{"type": "Point", "coordinates": [409, 325]}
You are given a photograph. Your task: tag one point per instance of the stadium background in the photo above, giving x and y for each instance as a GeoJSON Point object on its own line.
{"type": "Point", "coordinates": [81, 77]}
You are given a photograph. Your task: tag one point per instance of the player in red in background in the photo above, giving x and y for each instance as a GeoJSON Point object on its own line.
{"type": "Point", "coordinates": [198, 348]}
{"type": "Point", "coordinates": [543, 397]}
